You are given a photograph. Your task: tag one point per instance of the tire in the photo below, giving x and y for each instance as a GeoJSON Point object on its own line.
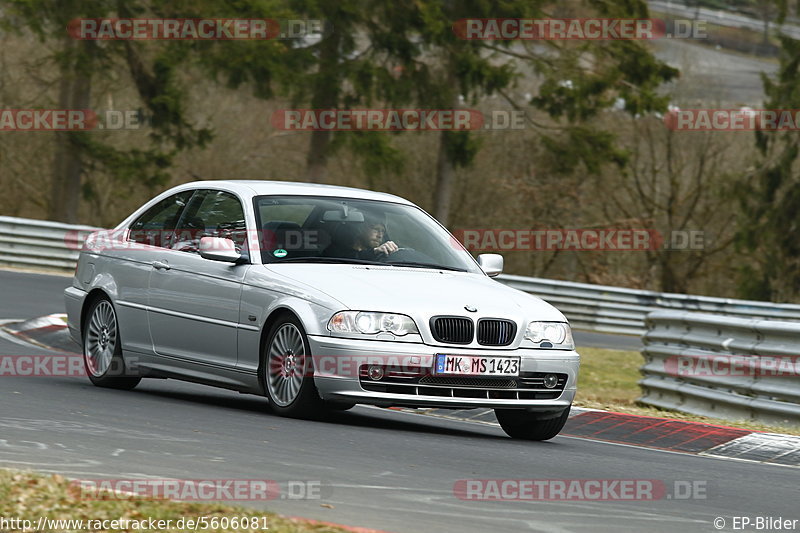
{"type": "Point", "coordinates": [524, 425]}
{"type": "Point", "coordinates": [289, 371]}
{"type": "Point", "coordinates": [102, 348]}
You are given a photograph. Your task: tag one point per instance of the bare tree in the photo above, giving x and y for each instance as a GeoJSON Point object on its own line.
{"type": "Point", "coordinates": [677, 182]}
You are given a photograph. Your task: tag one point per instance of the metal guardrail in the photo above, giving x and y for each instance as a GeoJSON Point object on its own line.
{"type": "Point", "coordinates": [37, 243]}
{"type": "Point", "coordinates": [686, 367]}
{"type": "Point", "coordinates": [723, 18]}
{"type": "Point", "coordinates": [620, 310]}
{"type": "Point", "coordinates": [28, 243]}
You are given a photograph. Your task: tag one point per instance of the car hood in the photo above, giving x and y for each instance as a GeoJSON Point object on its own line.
{"type": "Point", "coordinates": [417, 291]}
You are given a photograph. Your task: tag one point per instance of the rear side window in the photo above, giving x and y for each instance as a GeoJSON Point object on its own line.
{"type": "Point", "coordinates": [210, 214]}
{"type": "Point", "coordinates": [156, 226]}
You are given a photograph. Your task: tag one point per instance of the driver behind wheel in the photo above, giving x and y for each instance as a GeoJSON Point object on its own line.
{"type": "Point", "coordinates": [374, 236]}
{"type": "Point", "coordinates": [364, 240]}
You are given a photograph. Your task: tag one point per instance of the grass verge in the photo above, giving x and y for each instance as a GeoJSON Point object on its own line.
{"type": "Point", "coordinates": [608, 380]}
{"type": "Point", "coordinates": [29, 496]}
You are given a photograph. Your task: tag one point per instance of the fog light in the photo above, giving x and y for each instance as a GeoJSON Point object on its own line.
{"type": "Point", "coordinates": [375, 372]}
{"type": "Point", "coordinates": [550, 380]}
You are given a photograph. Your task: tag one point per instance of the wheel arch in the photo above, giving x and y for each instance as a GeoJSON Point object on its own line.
{"type": "Point", "coordinates": [103, 286]}
{"type": "Point", "coordinates": [273, 317]}
{"type": "Point", "coordinates": [313, 319]}
{"type": "Point", "coordinates": [93, 296]}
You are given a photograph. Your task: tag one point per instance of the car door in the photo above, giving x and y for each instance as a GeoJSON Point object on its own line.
{"type": "Point", "coordinates": [131, 263]}
{"type": "Point", "coordinates": [193, 303]}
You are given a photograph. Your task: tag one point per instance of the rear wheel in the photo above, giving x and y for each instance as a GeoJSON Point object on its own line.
{"type": "Point", "coordinates": [289, 372]}
{"type": "Point", "coordinates": [102, 349]}
{"type": "Point", "coordinates": [525, 425]}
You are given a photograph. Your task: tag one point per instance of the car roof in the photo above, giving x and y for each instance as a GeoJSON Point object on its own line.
{"type": "Point", "coordinates": [281, 188]}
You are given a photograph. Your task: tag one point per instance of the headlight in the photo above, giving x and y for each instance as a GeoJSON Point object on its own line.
{"type": "Point", "coordinates": [557, 334]}
{"type": "Point", "coordinates": [369, 323]}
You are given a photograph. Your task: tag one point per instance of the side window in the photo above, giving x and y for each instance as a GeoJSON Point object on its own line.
{"type": "Point", "coordinates": [211, 214]}
{"type": "Point", "coordinates": [156, 225]}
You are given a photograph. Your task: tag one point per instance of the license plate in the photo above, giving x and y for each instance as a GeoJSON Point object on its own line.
{"type": "Point", "coordinates": [473, 365]}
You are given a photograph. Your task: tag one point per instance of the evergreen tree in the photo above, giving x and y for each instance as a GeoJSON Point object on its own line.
{"type": "Point", "coordinates": [769, 195]}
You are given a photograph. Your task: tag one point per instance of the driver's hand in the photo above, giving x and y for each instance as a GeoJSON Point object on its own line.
{"type": "Point", "coordinates": [386, 248]}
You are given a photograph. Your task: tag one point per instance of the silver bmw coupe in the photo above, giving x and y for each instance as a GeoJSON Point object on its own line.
{"type": "Point", "coordinates": [319, 298]}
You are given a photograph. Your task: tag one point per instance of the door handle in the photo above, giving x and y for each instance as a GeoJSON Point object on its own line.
{"type": "Point", "coordinates": [161, 265]}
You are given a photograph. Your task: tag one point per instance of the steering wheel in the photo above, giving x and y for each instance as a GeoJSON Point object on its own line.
{"type": "Point", "coordinates": [403, 254]}
{"type": "Point", "coordinates": [390, 257]}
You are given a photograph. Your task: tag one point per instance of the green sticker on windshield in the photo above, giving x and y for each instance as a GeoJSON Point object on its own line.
{"type": "Point", "coordinates": [280, 252]}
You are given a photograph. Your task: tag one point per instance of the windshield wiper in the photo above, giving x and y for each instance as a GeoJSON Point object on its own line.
{"type": "Point", "coordinates": [415, 264]}
{"type": "Point", "coordinates": [326, 260]}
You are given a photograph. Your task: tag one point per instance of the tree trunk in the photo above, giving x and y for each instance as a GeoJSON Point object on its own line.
{"type": "Point", "coordinates": [317, 160]}
{"type": "Point", "coordinates": [326, 96]}
{"type": "Point", "coordinates": [445, 168]}
{"type": "Point", "coordinates": [74, 93]}
{"type": "Point", "coordinates": [669, 279]}
{"type": "Point", "coordinates": [444, 182]}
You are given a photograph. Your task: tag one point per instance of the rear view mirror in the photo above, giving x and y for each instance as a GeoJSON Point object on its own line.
{"type": "Point", "coordinates": [340, 216]}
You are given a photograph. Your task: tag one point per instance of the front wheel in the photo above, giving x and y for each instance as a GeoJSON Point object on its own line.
{"type": "Point", "coordinates": [525, 425]}
{"type": "Point", "coordinates": [289, 371]}
{"type": "Point", "coordinates": [102, 349]}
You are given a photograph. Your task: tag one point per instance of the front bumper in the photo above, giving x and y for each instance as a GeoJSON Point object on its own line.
{"type": "Point", "coordinates": [336, 362]}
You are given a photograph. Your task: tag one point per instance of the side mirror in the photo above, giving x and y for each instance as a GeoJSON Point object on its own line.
{"type": "Point", "coordinates": [219, 249]}
{"type": "Point", "coordinates": [491, 264]}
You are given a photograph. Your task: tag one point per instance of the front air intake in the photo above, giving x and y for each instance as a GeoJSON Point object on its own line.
{"type": "Point", "coordinates": [453, 329]}
{"type": "Point", "coordinates": [496, 332]}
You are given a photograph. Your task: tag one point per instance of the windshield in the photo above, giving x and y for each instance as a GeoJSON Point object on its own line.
{"type": "Point", "coordinates": [345, 230]}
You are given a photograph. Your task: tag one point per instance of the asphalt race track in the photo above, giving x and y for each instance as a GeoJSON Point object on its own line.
{"type": "Point", "coordinates": [378, 468]}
